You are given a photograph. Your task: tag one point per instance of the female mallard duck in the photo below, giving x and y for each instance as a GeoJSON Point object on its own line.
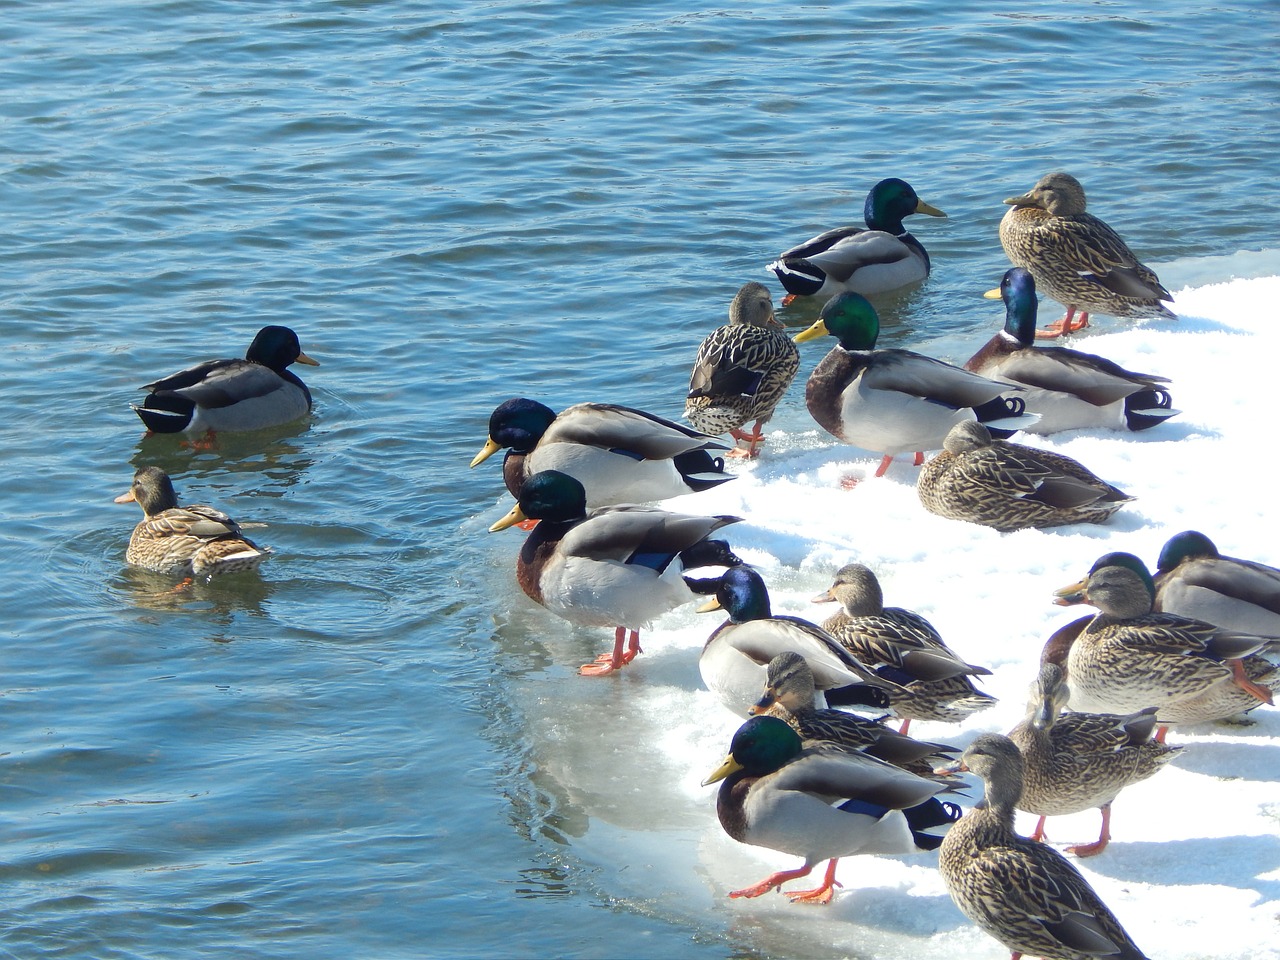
{"type": "Point", "coordinates": [820, 801]}
{"type": "Point", "coordinates": [1076, 258]}
{"type": "Point", "coordinates": [1009, 486]}
{"type": "Point", "coordinates": [881, 258]}
{"type": "Point", "coordinates": [611, 567]}
{"type": "Point", "coordinates": [891, 401]}
{"type": "Point", "coordinates": [1129, 657]}
{"type": "Point", "coordinates": [1023, 893]}
{"type": "Point", "coordinates": [902, 646]}
{"type": "Point", "coordinates": [790, 693]}
{"type": "Point", "coordinates": [226, 395]}
{"type": "Point", "coordinates": [1194, 580]}
{"type": "Point", "coordinates": [1070, 390]}
{"type": "Point", "coordinates": [735, 657]}
{"type": "Point", "coordinates": [1076, 761]}
{"type": "Point", "coordinates": [619, 454]}
{"type": "Point", "coordinates": [742, 370]}
{"type": "Point", "coordinates": [194, 541]}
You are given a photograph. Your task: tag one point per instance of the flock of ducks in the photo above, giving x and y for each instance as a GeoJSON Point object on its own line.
{"type": "Point", "coordinates": [805, 775]}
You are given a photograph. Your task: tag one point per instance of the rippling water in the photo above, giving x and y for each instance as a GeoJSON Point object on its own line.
{"type": "Point", "coordinates": [551, 199]}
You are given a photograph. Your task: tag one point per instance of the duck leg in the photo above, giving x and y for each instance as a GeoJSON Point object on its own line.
{"type": "Point", "coordinates": [772, 881]}
{"type": "Point", "coordinates": [822, 894]}
{"type": "Point", "coordinates": [1064, 326]}
{"type": "Point", "coordinates": [1038, 833]}
{"type": "Point", "coordinates": [609, 662]}
{"type": "Point", "coordinates": [1104, 837]}
{"type": "Point", "coordinates": [1242, 681]}
{"type": "Point", "coordinates": [752, 439]}
{"type": "Point", "coordinates": [884, 464]}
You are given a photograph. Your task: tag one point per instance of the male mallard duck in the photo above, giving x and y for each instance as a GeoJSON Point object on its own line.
{"type": "Point", "coordinates": [187, 541]}
{"type": "Point", "coordinates": [891, 401]}
{"type": "Point", "coordinates": [1069, 390]}
{"type": "Point", "coordinates": [820, 801]}
{"type": "Point", "coordinates": [1075, 761]}
{"type": "Point", "coordinates": [734, 660]}
{"type": "Point", "coordinates": [225, 395]}
{"type": "Point", "coordinates": [742, 370]}
{"type": "Point", "coordinates": [1023, 893]}
{"type": "Point", "coordinates": [619, 454]}
{"type": "Point", "coordinates": [1194, 580]}
{"type": "Point", "coordinates": [1129, 658]}
{"type": "Point", "coordinates": [1009, 486]}
{"type": "Point", "coordinates": [1076, 258]}
{"type": "Point", "coordinates": [902, 646]}
{"type": "Point", "coordinates": [881, 258]}
{"type": "Point", "coordinates": [611, 567]}
{"type": "Point", "coordinates": [790, 693]}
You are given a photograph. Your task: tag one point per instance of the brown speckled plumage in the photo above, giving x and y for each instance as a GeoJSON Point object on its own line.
{"type": "Point", "coordinates": [789, 695]}
{"type": "Point", "coordinates": [1075, 761]}
{"type": "Point", "coordinates": [194, 541]}
{"type": "Point", "coordinates": [1128, 657]}
{"type": "Point", "coordinates": [743, 368]}
{"type": "Point", "coordinates": [902, 646]}
{"type": "Point", "coordinates": [1010, 486]}
{"type": "Point", "coordinates": [1023, 893]}
{"type": "Point", "coordinates": [1076, 258]}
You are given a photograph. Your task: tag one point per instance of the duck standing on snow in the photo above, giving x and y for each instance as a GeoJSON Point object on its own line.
{"type": "Point", "coordinates": [1009, 486]}
{"type": "Point", "coordinates": [735, 658]}
{"type": "Point", "coordinates": [742, 370]}
{"type": "Point", "coordinates": [615, 567]}
{"type": "Point", "coordinates": [618, 454]}
{"type": "Point", "coordinates": [1194, 580]}
{"type": "Point", "coordinates": [1076, 761]}
{"type": "Point", "coordinates": [790, 694]}
{"type": "Point", "coordinates": [904, 647]}
{"type": "Point", "coordinates": [1069, 389]}
{"type": "Point", "coordinates": [232, 395]}
{"type": "Point", "coordinates": [1129, 657]}
{"type": "Point", "coordinates": [891, 401]}
{"type": "Point", "coordinates": [191, 541]}
{"type": "Point", "coordinates": [880, 258]}
{"type": "Point", "coordinates": [819, 801]}
{"type": "Point", "coordinates": [1076, 258]}
{"type": "Point", "coordinates": [1023, 893]}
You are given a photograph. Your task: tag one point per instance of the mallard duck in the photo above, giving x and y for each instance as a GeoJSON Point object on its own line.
{"type": "Point", "coordinates": [610, 567]}
{"type": "Point", "coordinates": [820, 801]}
{"type": "Point", "coordinates": [191, 541]}
{"type": "Point", "coordinates": [742, 370]}
{"type": "Point", "coordinates": [790, 693]}
{"type": "Point", "coordinates": [1076, 258]}
{"type": "Point", "coordinates": [891, 401]}
{"type": "Point", "coordinates": [619, 454]}
{"type": "Point", "coordinates": [902, 646]}
{"type": "Point", "coordinates": [1194, 580]}
{"type": "Point", "coordinates": [734, 660]}
{"type": "Point", "coordinates": [1129, 657]}
{"type": "Point", "coordinates": [1023, 893]}
{"type": "Point", "coordinates": [1009, 486]}
{"type": "Point", "coordinates": [229, 395]}
{"type": "Point", "coordinates": [1070, 390]}
{"type": "Point", "coordinates": [1075, 761]}
{"type": "Point", "coordinates": [881, 258]}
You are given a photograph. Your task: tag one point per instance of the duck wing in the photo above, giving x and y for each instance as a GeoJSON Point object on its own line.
{"type": "Point", "coordinates": [851, 252]}
{"type": "Point", "coordinates": [1097, 253]}
{"type": "Point", "coordinates": [928, 379]}
{"type": "Point", "coordinates": [1092, 378]}
{"type": "Point", "coordinates": [637, 534]}
{"type": "Point", "coordinates": [615, 427]}
{"type": "Point", "coordinates": [220, 383]}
